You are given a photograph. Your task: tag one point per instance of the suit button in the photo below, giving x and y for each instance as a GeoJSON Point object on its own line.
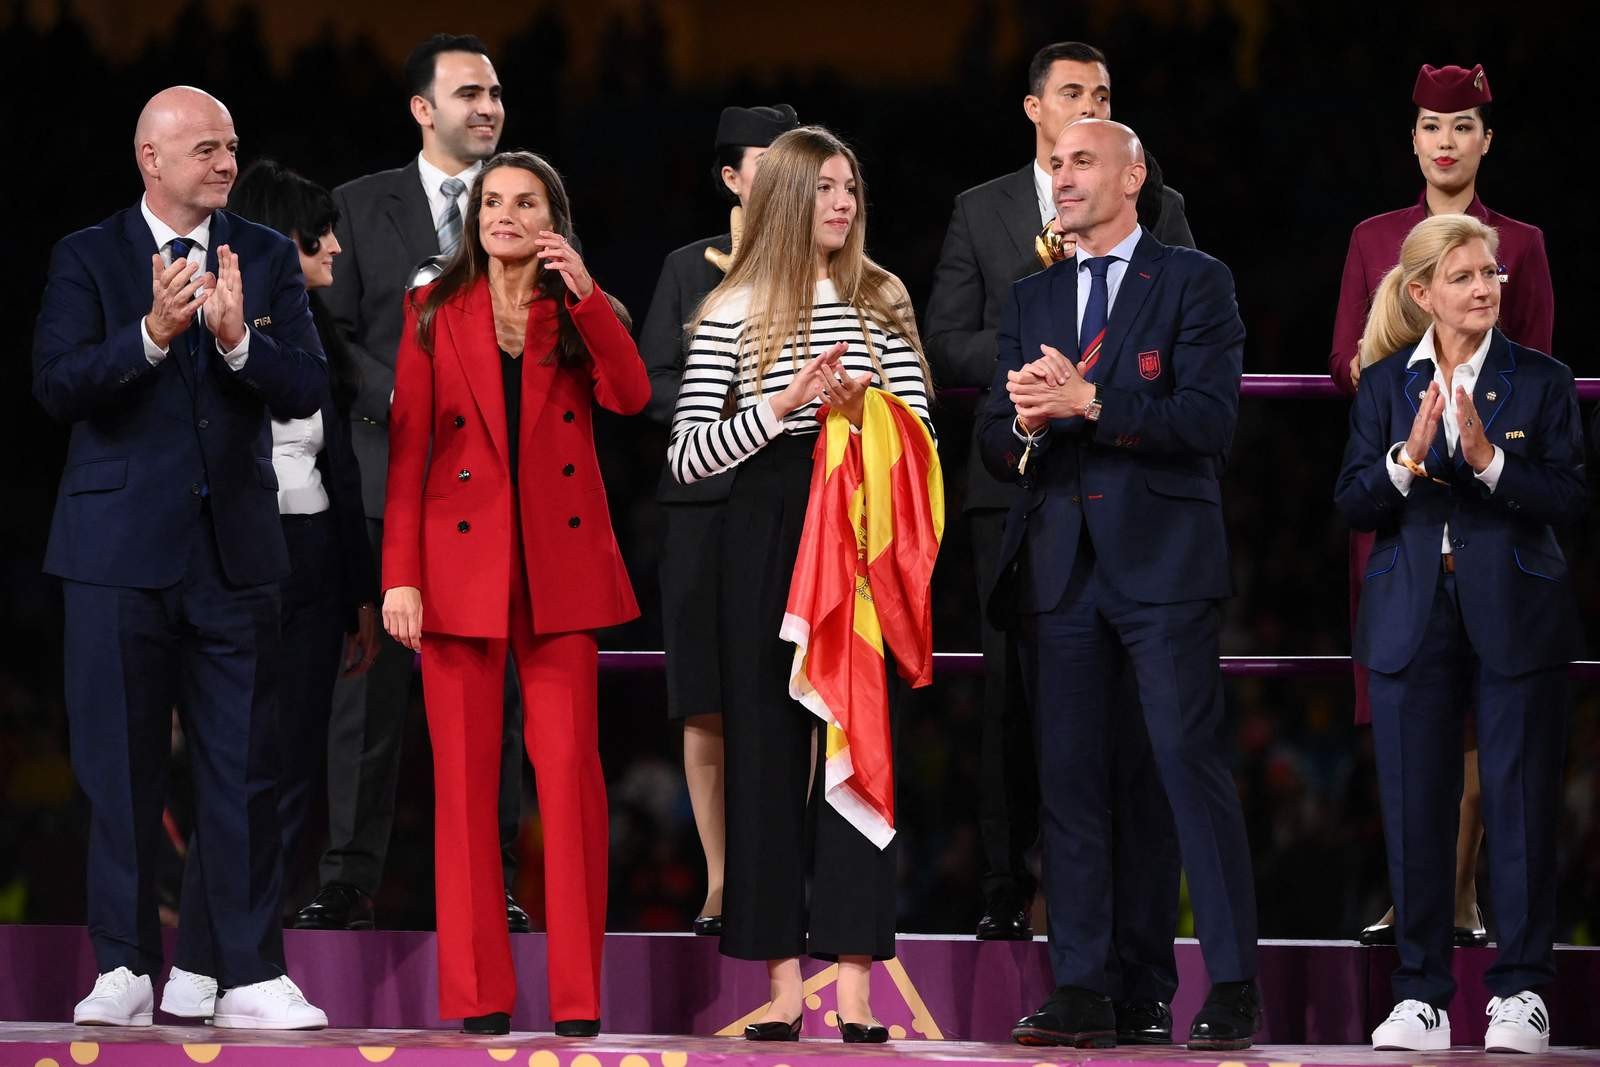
{"type": "Point", "coordinates": [574, 522]}
{"type": "Point", "coordinates": [463, 526]}
{"type": "Point", "coordinates": [194, 489]}
{"type": "Point", "coordinates": [568, 471]}
{"type": "Point", "coordinates": [459, 421]}
{"type": "Point", "coordinates": [568, 416]}
{"type": "Point", "coordinates": [1075, 500]}
{"type": "Point", "coordinates": [204, 423]}
{"type": "Point", "coordinates": [464, 475]}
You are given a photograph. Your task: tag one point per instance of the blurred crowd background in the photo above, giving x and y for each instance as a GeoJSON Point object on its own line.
{"type": "Point", "coordinates": [1283, 124]}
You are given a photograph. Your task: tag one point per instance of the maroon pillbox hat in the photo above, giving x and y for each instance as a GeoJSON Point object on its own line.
{"type": "Point", "coordinates": [1451, 89]}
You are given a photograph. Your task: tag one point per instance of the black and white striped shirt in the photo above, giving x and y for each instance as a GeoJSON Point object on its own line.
{"type": "Point", "coordinates": [704, 443]}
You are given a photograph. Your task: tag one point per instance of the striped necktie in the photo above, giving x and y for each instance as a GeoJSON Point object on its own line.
{"type": "Point", "coordinates": [1092, 330]}
{"type": "Point", "coordinates": [450, 224]}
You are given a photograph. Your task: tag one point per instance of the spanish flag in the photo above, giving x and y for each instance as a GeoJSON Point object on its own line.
{"type": "Point", "coordinates": [862, 582]}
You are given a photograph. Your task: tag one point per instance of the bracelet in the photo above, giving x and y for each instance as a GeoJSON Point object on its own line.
{"type": "Point", "coordinates": [1412, 465]}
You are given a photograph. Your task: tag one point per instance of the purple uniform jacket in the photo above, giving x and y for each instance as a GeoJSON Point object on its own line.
{"type": "Point", "coordinates": [1527, 316]}
{"type": "Point", "coordinates": [1527, 302]}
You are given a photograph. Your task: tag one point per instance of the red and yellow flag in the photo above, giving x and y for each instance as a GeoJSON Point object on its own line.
{"type": "Point", "coordinates": [862, 582]}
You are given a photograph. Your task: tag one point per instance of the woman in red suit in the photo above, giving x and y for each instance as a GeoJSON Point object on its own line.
{"type": "Point", "coordinates": [497, 540]}
{"type": "Point", "coordinates": [1450, 136]}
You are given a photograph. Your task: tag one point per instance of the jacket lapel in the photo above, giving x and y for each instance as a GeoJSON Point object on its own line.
{"type": "Point", "coordinates": [408, 211]}
{"type": "Point", "coordinates": [1137, 282]}
{"type": "Point", "coordinates": [1499, 365]}
{"type": "Point", "coordinates": [1063, 311]}
{"type": "Point", "coordinates": [537, 375]}
{"type": "Point", "coordinates": [1020, 211]}
{"type": "Point", "coordinates": [469, 320]}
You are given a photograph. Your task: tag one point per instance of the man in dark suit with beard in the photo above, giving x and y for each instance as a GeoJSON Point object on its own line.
{"type": "Point", "coordinates": [390, 223]}
{"type": "Point", "coordinates": [990, 244]}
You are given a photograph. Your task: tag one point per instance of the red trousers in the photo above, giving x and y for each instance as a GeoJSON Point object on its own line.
{"type": "Point", "coordinates": [463, 680]}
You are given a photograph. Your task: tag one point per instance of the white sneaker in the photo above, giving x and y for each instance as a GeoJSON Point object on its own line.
{"type": "Point", "coordinates": [274, 1005]}
{"type": "Point", "coordinates": [189, 995]}
{"type": "Point", "coordinates": [119, 998]}
{"type": "Point", "coordinates": [1413, 1027]}
{"type": "Point", "coordinates": [1519, 1023]}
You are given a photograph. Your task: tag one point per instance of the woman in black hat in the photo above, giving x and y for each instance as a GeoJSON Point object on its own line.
{"type": "Point", "coordinates": [692, 514]}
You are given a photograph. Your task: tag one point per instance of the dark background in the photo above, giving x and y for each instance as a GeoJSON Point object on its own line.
{"type": "Point", "coordinates": [1283, 124]}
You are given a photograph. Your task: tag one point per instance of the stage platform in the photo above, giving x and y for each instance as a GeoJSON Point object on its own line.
{"type": "Point", "coordinates": [938, 989]}
{"type": "Point", "coordinates": [164, 1046]}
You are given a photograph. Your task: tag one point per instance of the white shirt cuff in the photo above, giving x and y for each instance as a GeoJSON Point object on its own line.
{"type": "Point", "coordinates": [1016, 431]}
{"type": "Point", "coordinates": [239, 353]}
{"type": "Point", "coordinates": [769, 422]}
{"type": "Point", "coordinates": [1399, 473]}
{"type": "Point", "coordinates": [152, 351]}
{"type": "Point", "coordinates": [1490, 475]}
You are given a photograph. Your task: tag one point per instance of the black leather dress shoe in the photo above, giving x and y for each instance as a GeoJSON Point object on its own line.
{"type": "Point", "coordinates": [774, 1031]}
{"type": "Point", "coordinates": [1379, 933]}
{"type": "Point", "coordinates": [496, 1022]}
{"type": "Point", "coordinates": [517, 920]}
{"type": "Point", "coordinates": [863, 1033]}
{"type": "Point", "coordinates": [337, 906]}
{"type": "Point", "coordinates": [578, 1028]}
{"type": "Point", "coordinates": [1144, 1022]}
{"type": "Point", "coordinates": [1471, 936]}
{"type": "Point", "coordinates": [708, 926]}
{"type": "Point", "coordinates": [1229, 1018]}
{"type": "Point", "coordinates": [1004, 922]}
{"type": "Point", "coordinates": [1080, 1018]}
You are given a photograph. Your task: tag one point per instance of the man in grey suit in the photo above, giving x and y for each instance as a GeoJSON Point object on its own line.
{"type": "Point", "coordinates": [991, 243]}
{"type": "Point", "coordinates": [390, 223]}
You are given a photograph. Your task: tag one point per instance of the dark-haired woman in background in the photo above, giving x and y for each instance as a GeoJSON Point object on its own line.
{"type": "Point", "coordinates": [692, 514]}
{"type": "Point", "coordinates": [497, 539]}
{"type": "Point", "coordinates": [1450, 135]}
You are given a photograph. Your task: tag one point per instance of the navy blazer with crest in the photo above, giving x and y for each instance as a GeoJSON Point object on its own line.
{"type": "Point", "coordinates": [1516, 600]}
{"type": "Point", "coordinates": [149, 443]}
{"type": "Point", "coordinates": [1144, 479]}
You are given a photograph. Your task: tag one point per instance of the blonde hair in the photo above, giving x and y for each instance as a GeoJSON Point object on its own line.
{"type": "Point", "coordinates": [1396, 320]}
{"type": "Point", "coordinates": [777, 261]}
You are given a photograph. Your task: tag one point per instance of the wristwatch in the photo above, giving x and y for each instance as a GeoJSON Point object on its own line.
{"type": "Point", "coordinates": [1092, 412]}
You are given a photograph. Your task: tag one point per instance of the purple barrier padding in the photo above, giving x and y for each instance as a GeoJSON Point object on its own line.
{"type": "Point", "coordinates": [938, 987]}
{"type": "Point", "coordinates": [1299, 387]}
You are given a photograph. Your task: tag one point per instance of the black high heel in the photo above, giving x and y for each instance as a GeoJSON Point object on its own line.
{"type": "Point", "coordinates": [496, 1022]}
{"type": "Point", "coordinates": [577, 1028]}
{"type": "Point", "coordinates": [863, 1033]}
{"type": "Point", "coordinates": [708, 926]}
{"type": "Point", "coordinates": [774, 1031]}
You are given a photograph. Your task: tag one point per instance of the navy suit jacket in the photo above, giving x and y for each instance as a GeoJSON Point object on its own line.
{"type": "Point", "coordinates": [1517, 602]}
{"type": "Point", "coordinates": [1144, 479]}
{"type": "Point", "coordinates": [148, 441]}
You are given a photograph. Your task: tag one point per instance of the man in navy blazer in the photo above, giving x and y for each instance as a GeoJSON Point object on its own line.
{"type": "Point", "coordinates": [165, 334]}
{"type": "Point", "coordinates": [1117, 546]}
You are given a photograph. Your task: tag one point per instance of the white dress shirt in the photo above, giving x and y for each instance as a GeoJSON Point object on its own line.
{"type": "Point", "coordinates": [295, 446]}
{"type": "Point", "coordinates": [1044, 186]}
{"type": "Point", "coordinates": [438, 203]}
{"type": "Point", "coordinates": [199, 240]}
{"type": "Point", "coordinates": [1466, 376]}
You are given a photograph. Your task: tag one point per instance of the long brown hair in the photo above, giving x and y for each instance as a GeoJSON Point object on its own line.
{"type": "Point", "coordinates": [777, 260]}
{"type": "Point", "coordinates": [471, 262]}
{"type": "Point", "coordinates": [1396, 320]}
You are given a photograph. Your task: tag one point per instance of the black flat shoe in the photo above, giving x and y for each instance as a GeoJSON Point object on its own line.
{"type": "Point", "coordinates": [1229, 1018]}
{"type": "Point", "coordinates": [863, 1033]}
{"type": "Point", "coordinates": [1078, 1018]}
{"type": "Point", "coordinates": [1379, 933]}
{"type": "Point", "coordinates": [517, 920]}
{"type": "Point", "coordinates": [578, 1028]}
{"type": "Point", "coordinates": [1004, 922]}
{"type": "Point", "coordinates": [708, 926]}
{"type": "Point", "coordinates": [496, 1022]}
{"type": "Point", "coordinates": [337, 906]}
{"type": "Point", "coordinates": [774, 1031]}
{"type": "Point", "coordinates": [1471, 937]}
{"type": "Point", "coordinates": [1144, 1022]}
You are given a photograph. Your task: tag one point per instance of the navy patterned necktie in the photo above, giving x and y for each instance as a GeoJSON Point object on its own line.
{"type": "Point", "coordinates": [1092, 330]}
{"type": "Point", "coordinates": [450, 224]}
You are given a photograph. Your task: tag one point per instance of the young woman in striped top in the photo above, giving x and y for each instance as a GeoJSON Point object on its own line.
{"type": "Point", "coordinates": [803, 318]}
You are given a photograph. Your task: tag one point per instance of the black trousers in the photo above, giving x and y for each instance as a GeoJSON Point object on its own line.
{"type": "Point", "coordinates": [364, 738]}
{"type": "Point", "coordinates": [210, 649]}
{"type": "Point", "coordinates": [1417, 722]}
{"type": "Point", "coordinates": [781, 833]}
{"type": "Point", "coordinates": [1145, 869]}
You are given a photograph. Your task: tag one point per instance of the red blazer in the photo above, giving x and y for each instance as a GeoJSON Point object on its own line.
{"type": "Point", "coordinates": [447, 526]}
{"type": "Point", "coordinates": [1527, 301]}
